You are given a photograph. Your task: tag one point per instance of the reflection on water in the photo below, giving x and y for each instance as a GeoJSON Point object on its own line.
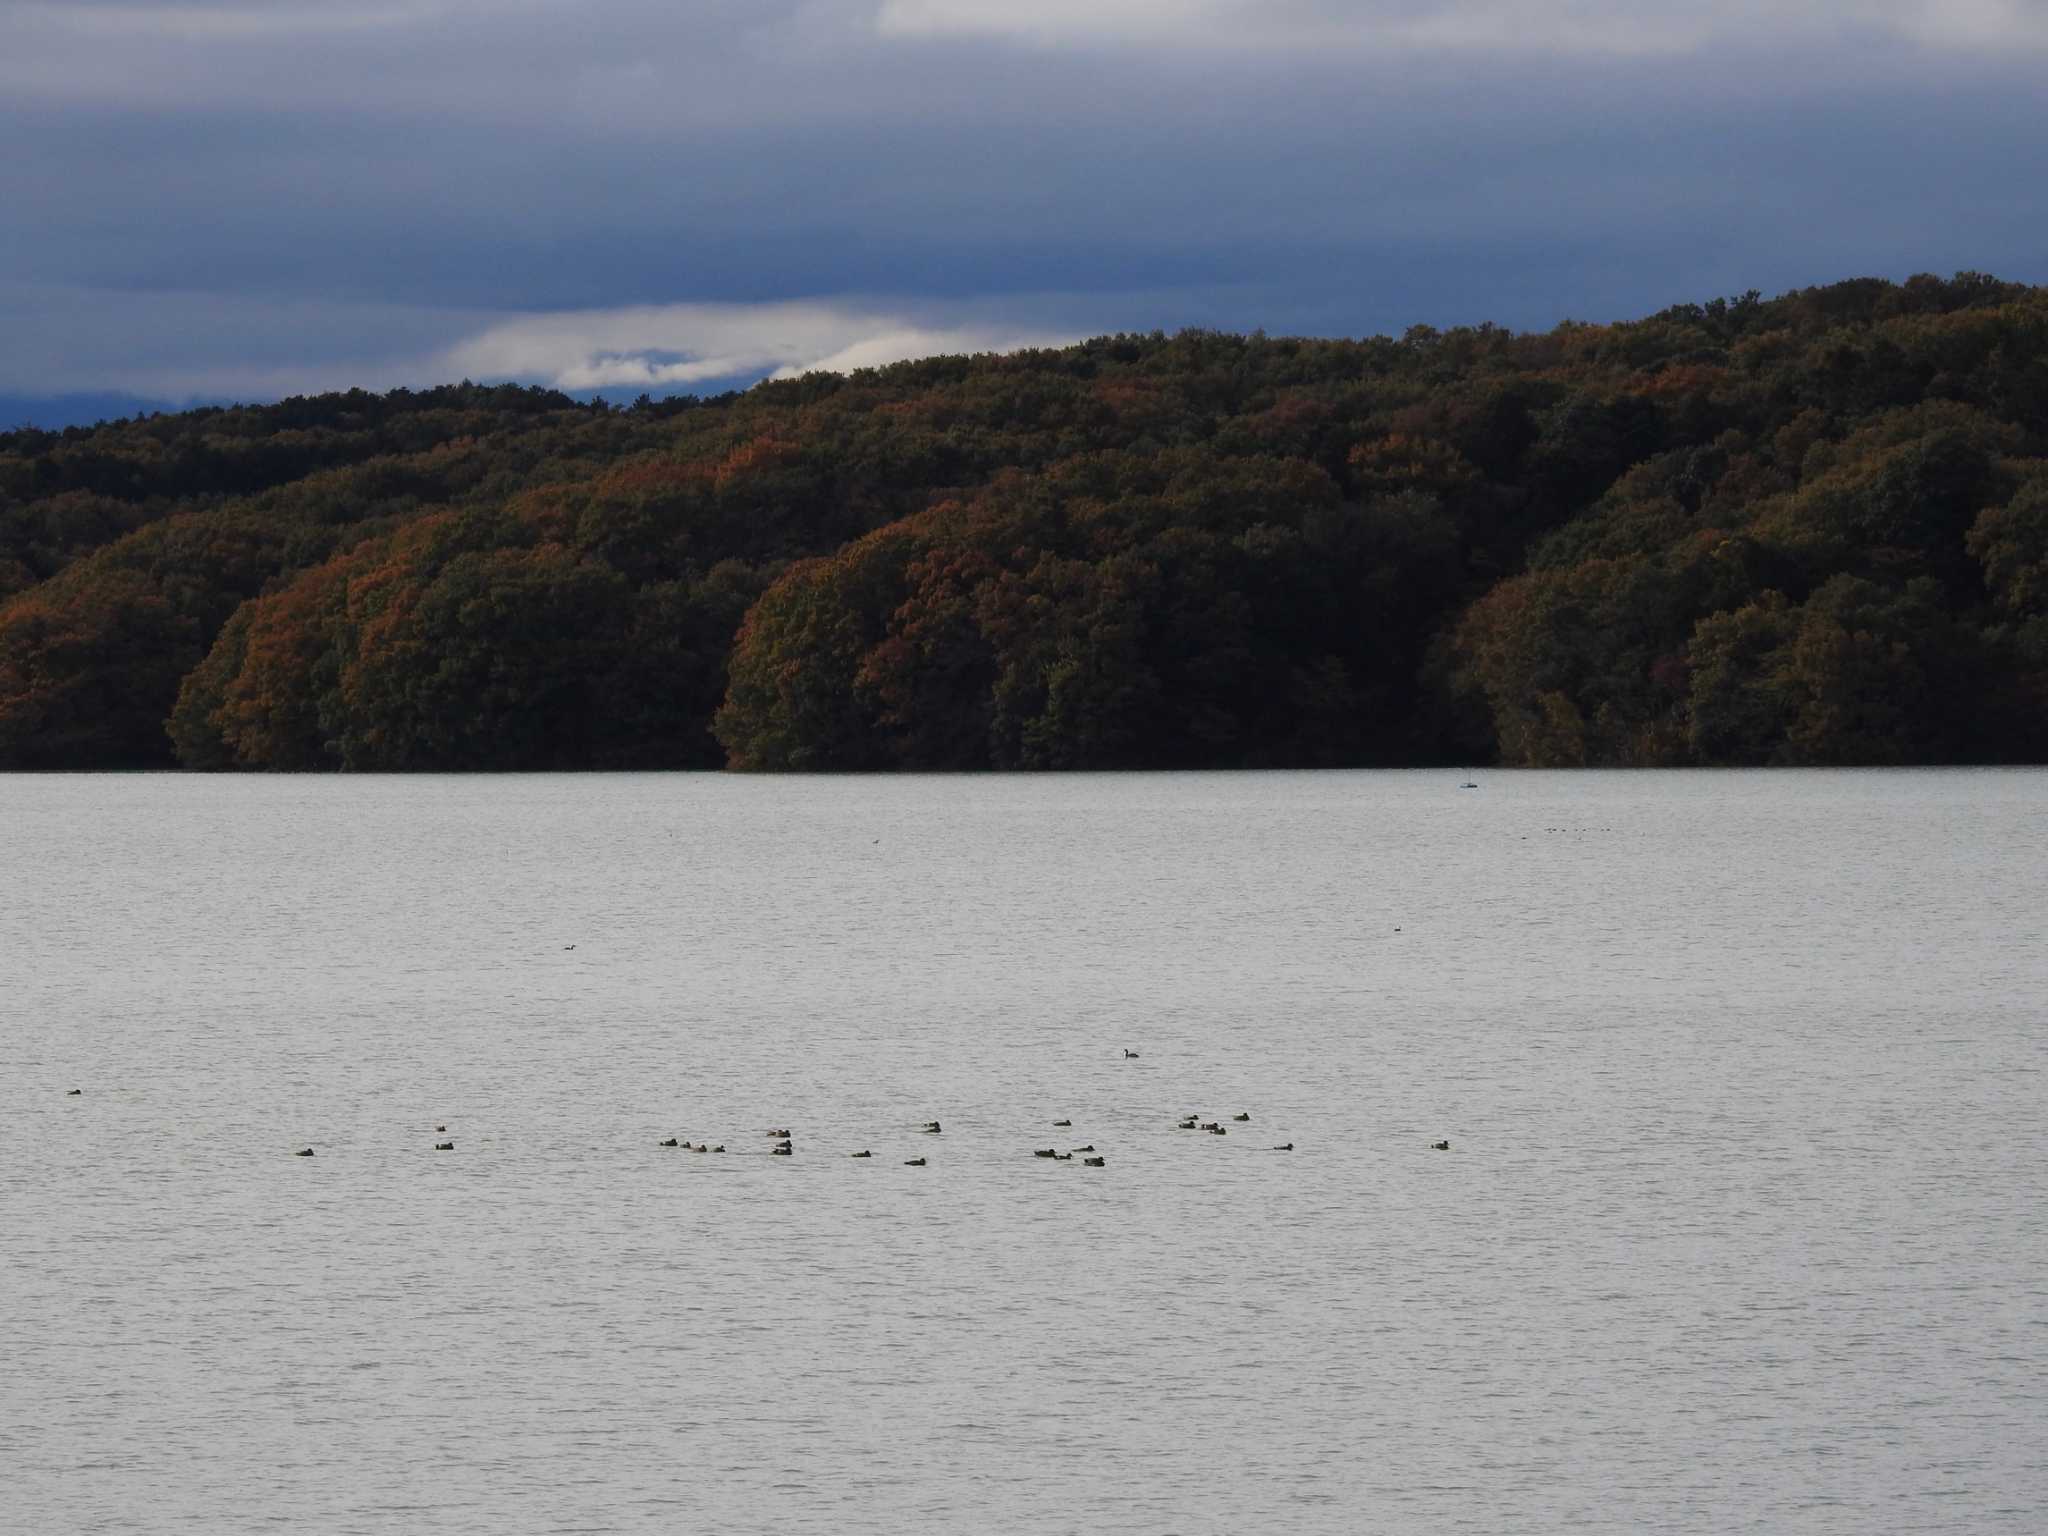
{"type": "Point", "coordinates": [1739, 1224]}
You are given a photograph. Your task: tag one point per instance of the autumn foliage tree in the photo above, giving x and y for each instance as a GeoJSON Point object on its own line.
{"type": "Point", "coordinates": [1807, 529]}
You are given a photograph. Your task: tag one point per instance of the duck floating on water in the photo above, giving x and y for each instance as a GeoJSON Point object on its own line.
{"type": "Point", "coordinates": [444, 1146]}
{"type": "Point", "coordinates": [913, 1162]}
{"type": "Point", "coordinates": [303, 1152]}
{"type": "Point", "coordinates": [1440, 1146]}
{"type": "Point", "coordinates": [1093, 1162]}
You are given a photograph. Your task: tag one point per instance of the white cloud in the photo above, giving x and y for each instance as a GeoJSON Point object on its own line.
{"type": "Point", "coordinates": [181, 346]}
{"type": "Point", "coordinates": [673, 345]}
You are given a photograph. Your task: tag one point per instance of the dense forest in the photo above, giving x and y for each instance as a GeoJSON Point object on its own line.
{"type": "Point", "coordinates": [1803, 530]}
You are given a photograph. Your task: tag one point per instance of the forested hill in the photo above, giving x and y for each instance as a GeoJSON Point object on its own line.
{"type": "Point", "coordinates": [1811, 529]}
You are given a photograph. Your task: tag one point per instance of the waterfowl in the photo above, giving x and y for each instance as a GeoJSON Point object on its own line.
{"type": "Point", "coordinates": [1059, 1123]}
{"type": "Point", "coordinates": [303, 1152]}
{"type": "Point", "coordinates": [1093, 1162]}
{"type": "Point", "coordinates": [1046, 1152]}
{"type": "Point", "coordinates": [932, 1126]}
{"type": "Point", "coordinates": [860, 1154]}
{"type": "Point", "coordinates": [1130, 1055]}
{"type": "Point", "coordinates": [1063, 1157]}
{"type": "Point", "coordinates": [783, 1135]}
{"type": "Point", "coordinates": [1440, 1146]}
{"type": "Point", "coordinates": [74, 1093]}
{"type": "Point", "coordinates": [1285, 1147]}
{"type": "Point", "coordinates": [1089, 1148]}
{"type": "Point", "coordinates": [913, 1162]}
{"type": "Point", "coordinates": [700, 1147]}
{"type": "Point", "coordinates": [444, 1146]}
{"type": "Point", "coordinates": [670, 1142]}
{"type": "Point", "coordinates": [440, 1127]}
{"type": "Point", "coordinates": [781, 1149]}
{"type": "Point", "coordinates": [719, 1148]}
{"type": "Point", "coordinates": [1188, 1124]}
{"type": "Point", "coordinates": [1210, 1125]}
{"type": "Point", "coordinates": [1217, 1130]}
{"type": "Point", "coordinates": [1245, 1116]}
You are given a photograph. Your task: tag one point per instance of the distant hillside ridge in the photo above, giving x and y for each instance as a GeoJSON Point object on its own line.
{"type": "Point", "coordinates": [1811, 529]}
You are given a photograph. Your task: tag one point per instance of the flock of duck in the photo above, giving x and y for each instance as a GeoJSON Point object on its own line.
{"type": "Point", "coordinates": [785, 1144]}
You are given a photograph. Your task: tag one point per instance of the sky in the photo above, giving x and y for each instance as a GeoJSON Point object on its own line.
{"type": "Point", "coordinates": [248, 199]}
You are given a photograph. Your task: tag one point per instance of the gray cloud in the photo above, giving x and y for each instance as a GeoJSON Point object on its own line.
{"type": "Point", "coordinates": [178, 345]}
{"type": "Point", "coordinates": [1624, 27]}
{"type": "Point", "coordinates": [249, 196]}
{"type": "Point", "coordinates": [656, 66]}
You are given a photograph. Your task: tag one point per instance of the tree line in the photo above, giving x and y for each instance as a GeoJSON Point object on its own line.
{"type": "Point", "coordinates": [1804, 530]}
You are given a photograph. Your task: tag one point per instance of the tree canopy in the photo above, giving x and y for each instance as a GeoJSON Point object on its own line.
{"type": "Point", "coordinates": [1809, 529]}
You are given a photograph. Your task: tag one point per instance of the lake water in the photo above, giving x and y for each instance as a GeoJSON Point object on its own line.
{"type": "Point", "coordinates": [1741, 1228]}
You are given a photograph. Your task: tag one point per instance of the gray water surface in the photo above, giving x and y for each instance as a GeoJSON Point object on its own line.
{"type": "Point", "coordinates": [1741, 1227]}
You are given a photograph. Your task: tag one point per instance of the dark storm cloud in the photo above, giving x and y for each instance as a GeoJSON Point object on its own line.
{"type": "Point", "coordinates": [246, 198]}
